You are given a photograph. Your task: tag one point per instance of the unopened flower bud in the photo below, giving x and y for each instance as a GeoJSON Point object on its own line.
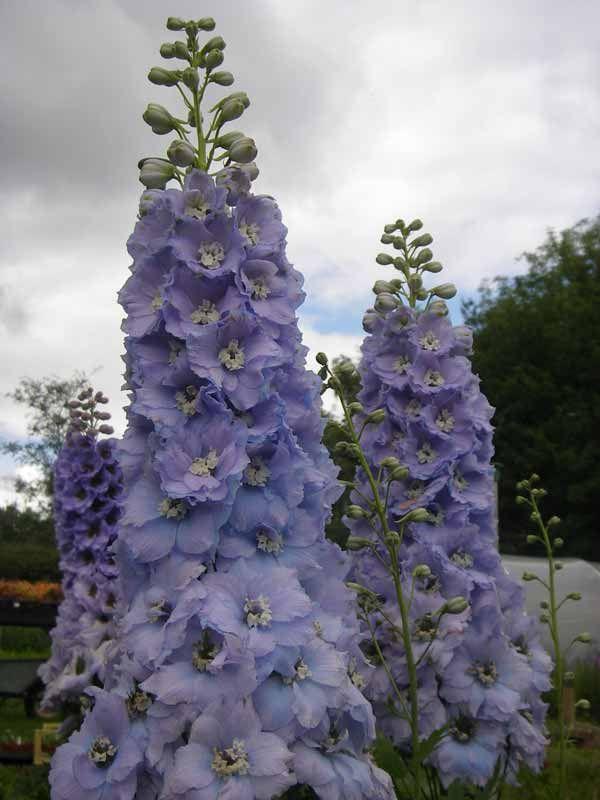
{"type": "Point", "coordinates": [583, 704]}
{"type": "Point", "coordinates": [421, 571]}
{"type": "Point", "coordinates": [384, 259]}
{"type": "Point", "coordinates": [190, 77]}
{"type": "Point", "coordinates": [531, 539]}
{"type": "Point", "coordinates": [392, 539]}
{"type": "Point", "coordinates": [445, 290]}
{"type": "Point", "coordinates": [243, 150]}
{"type": "Point", "coordinates": [569, 676]}
{"type": "Point", "coordinates": [423, 240]}
{"type": "Point", "coordinates": [558, 565]}
{"type": "Point", "coordinates": [386, 238]}
{"type": "Point", "coordinates": [399, 474]}
{"type": "Point", "coordinates": [102, 415]}
{"type": "Point", "coordinates": [455, 605]}
{"type": "Point", "coordinates": [528, 576]}
{"type": "Point", "coordinates": [369, 320]}
{"type": "Point", "coordinates": [163, 77]}
{"type": "Point", "coordinates": [377, 416]}
{"type": "Point", "coordinates": [382, 286]}
{"type": "Point", "coordinates": [231, 110]}
{"type": "Point", "coordinates": [584, 638]}
{"type": "Point", "coordinates": [159, 119]}
{"type": "Point", "coordinates": [424, 256]}
{"type": "Point", "coordinates": [544, 604]}
{"type": "Point", "coordinates": [439, 308]}
{"type": "Point", "coordinates": [181, 50]}
{"type": "Point", "coordinates": [355, 408]}
{"type": "Point", "coordinates": [433, 266]}
{"type": "Point", "coordinates": [214, 58]}
{"type": "Point", "coordinates": [167, 50]}
{"type": "Point", "coordinates": [415, 225]}
{"type": "Point", "coordinates": [175, 24]}
{"type": "Point", "coordinates": [357, 543]}
{"type": "Point", "coordinates": [553, 521]}
{"type": "Point", "coordinates": [73, 404]}
{"type": "Point", "coordinates": [390, 462]}
{"type": "Point", "coordinates": [574, 596]}
{"type": "Point", "coordinates": [389, 228]}
{"type": "Point", "coordinates": [416, 515]}
{"type": "Point", "coordinates": [206, 24]}
{"type": "Point", "coordinates": [222, 78]}
{"type": "Point", "coordinates": [181, 153]}
{"type": "Point", "coordinates": [101, 399]}
{"type": "Point", "coordinates": [108, 429]}
{"type": "Point", "coordinates": [355, 512]}
{"type": "Point", "coordinates": [216, 43]}
{"type": "Point", "coordinates": [520, 500]}
{"type": "Point", "coordinates": [386, 302]}
{"type": "Point", "coordinates": [558, 542]}
{"type": "Point", "coordinates": [155, 173]}
{"type": "Point", "coordinates": [544, 619]}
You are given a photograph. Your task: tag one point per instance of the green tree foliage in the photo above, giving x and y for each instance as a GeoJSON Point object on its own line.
{"type": "Point", "coordinates": [336, 431]}
{"type": "Point", "coordinates": [44, 401]}
{"type": "Point", "coordinates": [27, 547]}
{"type": "Point", "coordinates": [537, 351]}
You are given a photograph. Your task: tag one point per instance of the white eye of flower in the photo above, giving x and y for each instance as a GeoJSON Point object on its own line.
{"type": "Point", "coordinates": [206, 465]}
{"type": "Point", "coordinates": [198, 208]}
{"type": "Point", "coordinates": [462, 559]}
{"type": "Point", "coordinates": [232, 760]}
{"type": "Point", "coordinates": [437, 517]}
{"type": "Point", "coordinates": [302, 670]}
{"type": "Point", "coordinates": [172, 509]}
{"type": "Point", "coordinates": [256, 473]}
{"type": "Point", "coordinates": [138, 702]}
{"type": "Point", "coordinates": [425, 628]}
{"type": "Point", "coordinates": [318, 628]}
{"type": "Point", "coordinates": [414, 408]}
{"type": "Point", "coordinates": [269, 543]}
{"type": "Point", "coordinates": [205, 313]}
{"type": "Point", "coordinates": [157, 302]}
{"type": "Point", "coordinates": [486, 673]}
{"type": "Point", "coordinates": [175, 349]}
{"type": "Point", "coordinates": [433, 378]}
{"type": "Point", "coordinates": [258, 612]}
{"type": "Point", "coordinates": [211, 254]}
{"type": "Point", "coordinates": [103, 751]}
{"type": "Point", "coordinates": [463, 729]}
{"type": "Point", "coordinates": [186, 400]}
{"type": "Point", "coordinates": [259, 289]}
{"type": "Point", "coordinates": [426, 455]}
{"type": "Point", "coordinates": [250, 232]}
{"type": "Point", "coordinates": [460, 481]}
{"type": "Point", "coordinates": [232, 357]}
{"type": "Point", "coordinates": [204, 653]}
{"type": "Point", "coordinates": [354, 675]}
{"type": "Point", "coordinates": [159, 611]}
{"type": "Point", "coordinates": [445, 421]}
{"type": "Point", "coordinates": [429, 341]}
{"type": "Point", "coordinates": [401, 364]}
{"type": "Point", "coordinates": [415, 491]}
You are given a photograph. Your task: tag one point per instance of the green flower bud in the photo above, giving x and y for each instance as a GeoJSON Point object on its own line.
{"type": "Point", "coordinates": [392, 539]}
{"type": "Point", "coordinates": [243, 151]}
{"type": "Point", "coordinates": [216, 43]}
{"type": "Point", "coordinates": [231, 110]}
{"type": "Point", "coordinates": [175, 24]}
{"type": "Point", "coordinates": [355, 408]}
{"type": "Point", "coordinates": [390, 462]}
{"type": "Point", "coordinates": [181, 153]}
{"type": "Point", "coordinates": [181, 50]}
{"type": "Point", "coordinates": [583, 704]}
{"type": "Point", "coordinates": [574, 596]}
{"type": "Point", "coordinates": [399, 474]}
{"type": "Point", "coordinates": [569, 676]}
{"type": "Point", "coordinates": [522, 485]}
{"type": "Point", "coordinates": [558, 542]}
{"type": "Point", "coordinates": [386, 302]}
{"type": "Point", "coordinates": [163, 77]}
{"type": "Point", "coordinates": [389, 228]}
{"type": "Point", "coordinates": [396, 284]}
{"type": "Point", "coordinates": [531, 539]}
{"type": "Point", "coordinates": [213, 58]}
{"type": "Point", "coordinates": [322, 373]}
{"type": "Point", "coordinates": [398, 242]}
{"type": "Point", "coordinates": [421, 571]}
{"type": "Point", "coordinates": [346, 367]}
{"type": "Point", "coordinates": [534, 478]}
{"type": "Point", "coordinates": [159, 119]}
{"type": "Point", "coordinates": [558, 566]}
{"type": "Point", "coordinates": [528, 576]}
{"type": "Point", "coordinates": [377, 416]}
{"type": "Point", "coordinates": [422, 294]}
{"type": "Point", "coordinates": [584, 638]}
{"type": "Point", "coordinates": [357, 543]}
{"type": "Point", "coordinates": [228, 139]}
{"type": "Point", "coordinates": [400, 224]}
{"type": "Point", "coordinates": [439, 307]}
{"type": "Point", "coordinates": [355, 512]}
{"type": "Point", "coordinates": [322, 359]}
{"type": "Point", "coordinates": [554, 521]}
{"type": "Point", "coordinates": [535, 516]}
{"type": "Point", "coordinates": [424, 256]}
{"type": "Point", "coordinates": [382, 286]}
{"type": "Point", "coordinates": [433, 266]}
{"type": "Point", "coordinates": [341, 448]}
{"type": "Point", "coordinates": [223, 78]}
{"type": "Point", "coordinates": [155, 173]}
{"type": "Point", "coordinates": [445, 290]}
{"type": "Point", "coordinates": [190, 77]}
{"type": "Point", "coordinates": [167, 50]}
{"type": "Point", "coordinates": [416, 515]}
{"type": "Point", "coordinates": [206, 24]}
{"type": "Point", "coordinates": [386, 238]}
{"type": "Point", "coordinates": [415, 225]}
{"type": "Point", "coordinates": [456, 605]}
{"type": "Point", "coordinates": [384, 259]}
{"type": "Point", "coordinates": [520, 500]}
{"type": "Point", "coordinates": [544, 605]}
{"type": "Point", "coordinates": [544, 619]}
{"type": "Point", "coordinates": [423, 240]}
{"type": "Point", "coordinates": [415, 282]}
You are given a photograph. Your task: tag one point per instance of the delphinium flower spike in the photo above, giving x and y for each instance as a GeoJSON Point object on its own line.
{"type": "Point", "coordinates": [87, 505]}
{"type": "Point", "coordinates": [459, 666]}
{"type": "Point", "coordinates": [237, 674]}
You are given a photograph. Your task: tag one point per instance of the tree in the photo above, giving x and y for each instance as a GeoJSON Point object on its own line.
{"type": "Point", "coordinates": [45, 400]}
{"type": "Point", "coordinates": [537, 351]}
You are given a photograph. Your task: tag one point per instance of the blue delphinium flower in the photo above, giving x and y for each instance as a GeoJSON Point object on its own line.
{"type": "Point", "coordinates": [87, 506]}
{"type": "Point", "coordinates": [479, 671]}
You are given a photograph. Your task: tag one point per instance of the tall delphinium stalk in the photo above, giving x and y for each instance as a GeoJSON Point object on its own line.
{"type": "Point", "coordinates": [531, 495]}
{"type": "Point", "coordinates": [459, 667]}
{"type": "Point", "coordinates": [238, 672]}
{"type": "Point", "coordinates": [87, 495]}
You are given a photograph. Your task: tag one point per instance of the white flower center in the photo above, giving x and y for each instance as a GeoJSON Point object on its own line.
{"type": "Point", "coordinates": [232, 357]}
{"type": "Point", "coordinates": [426, 455]}
{"type": "Point", "coordinates": [157, 302]}
{"type": "Point", "coordinates": [206, 313]}
{"type": "Point", "coordinates": [425, 628]}
{"type": "Point", "coordinates": [256, 473]}
{"type": "Point", "coordinates": [211, 254]}
{"type": "Point", "coordinates": [486, 673]}
{"type": "Point", "coordinates": [355, 676]}
{"type": "Point", "coordinates": [206, 465]}
{"type": "Point", "coordinates": [204, 653]}
{"type": "Point", "coordinates": [462, 559]}
{"type": "Point", "coordinates": [401, 364]}
{"type": "Point", "coordinates": [186, 400]}
{"type": "Point", "coordinates": [269, 543]}
{"type": "Point", "coordinates": [159, 611]}
{"type": "Point", "coordinates": [414, 408]}
{"type": "Point", "coordinates": [259, 289]}
{"type": "Point", "coordinates": [250, 232]}
{"type": "Point", "coordinates": [138, 702]}
{"type": "Point", "coordinates": [231, 761]}
{"type": "Point", "coordinates": [258, 612]}
{"type": "Point", "coordinates": [197, 208]}
{"type": "Point", "coordinates": [102, 752]}
{"type": "Point", "coordinates": [460, 481]}
{"type": "Point", "coordinates": [445, 421]}
{"type": "Point", "coordinates": [416, 490]}
{"type": "Point", "coordinates": [318, 628]}
{"type": "Point", "coordinates": [172, 509]}
{"type": "Point", "coordinates": [433, 378]}
{"type": "Point", "coordinates": [429, 341]}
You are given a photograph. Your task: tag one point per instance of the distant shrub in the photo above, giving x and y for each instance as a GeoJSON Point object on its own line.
{"type": "Point", "coordinates": [29, 562]}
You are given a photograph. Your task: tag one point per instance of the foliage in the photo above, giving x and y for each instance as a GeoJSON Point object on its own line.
{"type": "Point", "coordinates": [24, 783]}
{"type": "Point", "coordinates": [23, 642]}
{"type": "Point", "coordinates": [26, 591]}
{"type": "Point", "coordinates": [45, 401]}
{"type": "Point", "coordinates": [27, 545]}
{"type": "Point", "coordinates": [587, 684]}
{"type": "Point", "coordinates": [537, 351]}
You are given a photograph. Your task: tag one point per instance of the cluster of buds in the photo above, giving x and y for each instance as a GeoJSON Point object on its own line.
{"type": "Point", "coordinates": [413, 260]}
{"type": "Point", "coordinates": [200, 68]}
{"type": "Point", "coordinates": [85, 416]}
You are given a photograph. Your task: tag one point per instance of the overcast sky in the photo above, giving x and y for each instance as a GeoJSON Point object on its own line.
{"type": "Point", "coordinates": [482, 118]}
